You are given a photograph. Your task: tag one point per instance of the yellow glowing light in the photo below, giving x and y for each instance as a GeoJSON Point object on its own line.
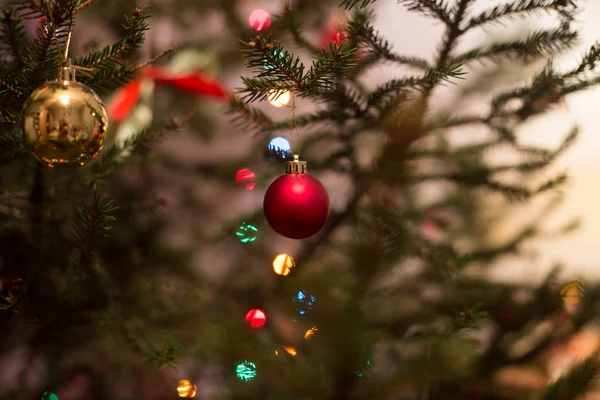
{"type": "Point", "coordinates": [283, 263]}
{"type": "Point", "coordinates": [290, 350]}
{"type": "Point", "coordinates": [64, 98]}
{"type": "Point", "coordinates": [186, 389]}
{"type": "Point", "coordinates": [279, 98]}
{"type": "Point", "coordinates": [310, 332]}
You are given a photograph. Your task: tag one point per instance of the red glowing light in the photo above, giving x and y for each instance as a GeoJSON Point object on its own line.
{"type": "Point", "coordinates": [256, 317]}
{"type": "Point", "coordinates": [245, 175]}
{"type": "Point", "coordinates": [259, 20]}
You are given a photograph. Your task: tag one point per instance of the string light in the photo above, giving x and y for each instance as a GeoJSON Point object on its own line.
{"type": "Point", "coordinates": [49, 396]}
{"type": "Point", "coordinates": [186, 389]}
{"type": "Point", "coordinates": [280, 147]}
{"type": "Point", "coordinates": [290, 350]}
{"type": "Point", "coordinates": [309, 333]}
{"type": "Point", "coordinates": [247, 233]}
{"type": "Point", "coordinates": [256, 317]}
{"type": "Point", "coordinates": [304, 302]}
{"type": "Point", "coordinates": [246, 371]}
{"type": "Point", "coordinates": [259, 20]}
{"type": "Point", "coordinates": [279, 98]}
{"type": "Point", "coordinates": [246, 176]}
{"type": "Point", "coordinates": [283, 263]}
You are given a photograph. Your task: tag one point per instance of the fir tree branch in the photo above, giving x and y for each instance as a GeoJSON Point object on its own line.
{"type": "Point", "coordinates": [92, 222]}
{"type": "Point", "coordinates": [348, 4]}
{"type": "Point", "coordinates": [577, 382]}
{"type": "Point", "coordinates": [437, 9]}
{"type": "Point", "coordinates": [380, 48]}
{"type": "Point", "coordinates": [247, 116]}
{"type": "Point", "coordinates": [521, 8]}
{"type": "Point", "coordinates": [329, 65]}
{"type": "Point", "coordinates": [540, 43]}
{"type": "Point", "coordinates": [109, 58]}
{"type": "Point", "coordinates": [587, 63]}
{"type": "Point", "coordinates": [82, 6]}
{"type": "Point", "coordinates": [290, 21]}
{"type": "Point", "coordinates": [13, 39]}
{"type": "Point", "coordinates": [433, 77]}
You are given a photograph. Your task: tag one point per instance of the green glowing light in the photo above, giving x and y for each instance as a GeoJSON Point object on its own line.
{"type": "Point", "coordinates": [247, 233]}
{"type": "Point", "coordinates": [246, 371]}
{"type": "Point", "coordinates": [49, 396]}
{"type": "Point", "coordinates": [360, 373]}
{"type": "Point", "coordinates": [281, 55]}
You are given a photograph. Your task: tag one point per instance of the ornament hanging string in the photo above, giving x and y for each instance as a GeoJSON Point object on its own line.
{"type": "Point", "coordinates": [65, 53]}
{"type": "Point", "coordinates": [295, 142]}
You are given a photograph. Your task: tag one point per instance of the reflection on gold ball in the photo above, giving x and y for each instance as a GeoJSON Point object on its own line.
{"type": "Point", "coordinates": [64, 122]}
{"type": "Point", "coordinates": [283, 263]}
{"type": "Point", "coordinates": [186, 389]}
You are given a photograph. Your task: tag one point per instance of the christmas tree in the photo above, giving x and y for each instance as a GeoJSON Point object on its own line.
{"type": "Point", "coordinates": [146, 270]}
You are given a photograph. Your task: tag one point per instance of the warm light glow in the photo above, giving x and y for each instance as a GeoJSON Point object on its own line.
{"type": "Point", "coordinates": [279, 98]}
{"type": "Point", "coordinates": [290, 350]}
{"type": "Point", "coordinates": [186, 389]}
{"type": "Point", "coordinates": [283, 263]}
{"type": "Point", "coordinates": [256, 317]}
{"type": "Point", "coordinates": [64, 98]}
{"type": "Point", "coordinates": [246, 371]}
{"type": "Point", "coordinates": [310, 332]}
{"type": "Point", "coordinates": [259, 20]}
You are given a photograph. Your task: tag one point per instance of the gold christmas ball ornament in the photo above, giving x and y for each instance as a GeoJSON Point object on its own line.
{"type": "Point", "coordinates": [64, 122]}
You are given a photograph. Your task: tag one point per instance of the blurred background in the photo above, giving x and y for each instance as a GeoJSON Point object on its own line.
{"type": "Point", "coordinates": [206, 39]}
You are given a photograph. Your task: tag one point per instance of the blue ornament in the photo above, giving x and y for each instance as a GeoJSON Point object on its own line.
{"type": "Point", "coordinates": [304, 302]}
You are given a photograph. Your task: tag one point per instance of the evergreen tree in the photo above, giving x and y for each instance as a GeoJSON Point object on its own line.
{"type": "Point", "coordinates": [375, 308]}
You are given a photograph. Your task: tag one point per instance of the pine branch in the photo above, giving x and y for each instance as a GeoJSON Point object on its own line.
{"type": "Point", "coordinates": [280, 71]}
{"type": "Point", "coordinates": [588, 61]}
{"type": "Point", "coordinates": [577, 382]}
{"type": "Point", "coordinates": [246, 116]}
{"type": "Point", "coordinates": [433, 77]}
{"type": "Point", "coordinates": [521, 9]}
{"type": "Point", "coordinates": [110, 57]}
{"type": "Point", "coordinates": [348, 4]}
{"type": "Point", "coordinates": [437, 9]}
{"type": "Point", "coordinates": [92, 222]}
{"type": "Point", "coordinates": [379, 48]}
{"type": "Point", "coordinates": [13, 38]}
{"type": "Point", "coordinates": [540, 43]}
{"type": "Point", "coordinates": [290, 21]}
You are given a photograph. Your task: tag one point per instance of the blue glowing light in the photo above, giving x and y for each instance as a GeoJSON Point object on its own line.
{"type": "Point", "coordinates": [304, 302]}
{"type": "Point", "coordinates": [281, 55]}
{"type": "Point", "coordinates": [280, 146]}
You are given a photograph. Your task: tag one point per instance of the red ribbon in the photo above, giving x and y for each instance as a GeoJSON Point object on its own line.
{"type": "Point", "coordinates": [196, 84]}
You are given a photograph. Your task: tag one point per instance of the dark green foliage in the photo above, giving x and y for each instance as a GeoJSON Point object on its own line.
{"type": "Point", "coordinates": [522, 9]}
{"type": "Point", "coordinates": [93, 221]}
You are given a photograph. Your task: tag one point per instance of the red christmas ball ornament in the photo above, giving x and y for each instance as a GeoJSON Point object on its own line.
{"type": "Point", "coordinates": [256, 318]}
{"type": "Point", "coordinates": [296, 204]}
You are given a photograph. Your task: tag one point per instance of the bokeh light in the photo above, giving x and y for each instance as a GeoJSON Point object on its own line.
{"type": "Point", "coordinates": [279, 98]}
{"type": "Point", "coordinates": [49, 396]}
{"type": "Point", "coordinates": [246, 371]}
{"type": "Point", "coordinates": [304, 302]}
{"type": "Point", "coordinates": [311, 332]}
{"type": "Point", "coordinates": [277, 54]}
{"type": "Point", "coordinates": [256, 317]}
{"type": "Point", "coordinates": [246, 233]}
{"type": "Point", "coordinates": [280, 146]}
{"type": "Point", "coordinates": [186, 389]}
{"type": "Point", "coordinates": [283, 263]}
{"type": "Point", "coordinates": [246, 176]}
{"type": "Point", "coordinates": [259, 20]}
{"type": "Point", "coordinates": [289, 349]}
{"type": "Point", "coordinates": [360, 373]}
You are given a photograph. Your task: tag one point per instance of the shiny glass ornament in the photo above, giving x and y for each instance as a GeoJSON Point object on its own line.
{"type": "Point", "coordinates": [64, 122]}
{"type": "Point", "coordinates": [296, 204]}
